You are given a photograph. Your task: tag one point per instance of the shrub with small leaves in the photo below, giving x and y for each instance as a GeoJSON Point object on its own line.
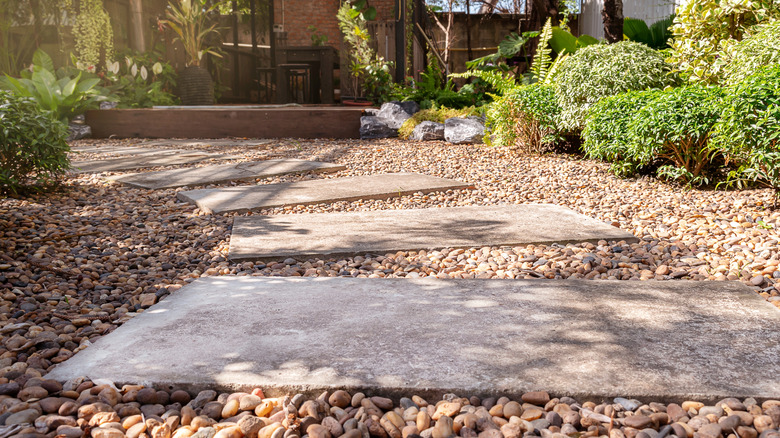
{"type": "Point", "coordinates": [33, 150]}
{"type": "Point", "coordinates": [527, 118]}
{"type": "Point", "coordinates": [760, 48]}
{"type": "Point", "coordinates": [602, 70]}
{"type": "Point", "coordinates": [674, 127]}
{"type": "Point", "coordinates": [609, 132]}
{"type": "Point", "coordinates": [749, 129]}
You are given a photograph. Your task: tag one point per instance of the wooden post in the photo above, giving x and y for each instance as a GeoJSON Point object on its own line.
{"type": "Point", "coordinates": [400, 40]}
{"type": "Point", "coordinates": [137, 36]}
{"type": "Point", "coordinates": [236, 62]}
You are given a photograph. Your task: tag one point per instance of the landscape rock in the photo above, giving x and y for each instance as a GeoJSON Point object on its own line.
{"type": "Point", "coordinates": [78, 131]}
{"type": "Point", "coordinates": [373, 127]}
{"type": "Point", "coordinates": [428, 131]}
{"type": "Point", "coordinates": [394, 114]}
{"type": "Point", "coordinates": [458, 130]}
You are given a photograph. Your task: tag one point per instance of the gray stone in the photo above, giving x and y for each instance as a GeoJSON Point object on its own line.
{"type": "Point", "coordinates": [144, 161]}
{"type": "Point", "coordinates": [427, 131]}
{"type": "Point", "coordinates": [79, 131]}
{"type": "Point", "coordinates": [223, 173]}
{"type": "Point", "coordinates": [114, 151]}
{"type": "Point", "coordinates": [395, 337]}
{"type": "Point", "coordinates": [458, 130]}
{"type": "Point", "coordinates": [228, 142]}
{"type": "Point", "coordinates": [22, 417]}
{"type": "Point", "coordinates": [280, 236]}
{"type": "Point", "coordinates": [373, 127]}
{"type": "Point", "coordinates": [258, 197]}
{"type": "Point", "coordinates": [394, 114]}
{"type": "Point", "coordinates": [105, 105]}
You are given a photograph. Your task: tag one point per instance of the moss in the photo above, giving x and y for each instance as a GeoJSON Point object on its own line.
{"type": "Point", "coordinates": [438, 115]}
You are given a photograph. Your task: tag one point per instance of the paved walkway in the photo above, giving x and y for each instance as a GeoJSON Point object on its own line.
{"type": "Point", "coordinates": [380, 232]}
{"type": "Point", "coordinates": [669, 340]}
{"type": "Point", "coordinates": [252, 198]}
{"type": "Point", "coordinates": [194, 176]}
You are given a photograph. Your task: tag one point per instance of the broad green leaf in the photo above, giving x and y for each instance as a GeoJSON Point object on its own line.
{"type": "Point", "coordinates": [42, 59]}
{"type": "Point", "coordinates": [563, 41]}
{"type": "Point", "coordinates": [370, 14]}
{"type": "Point", "coordinates": [637, 30]}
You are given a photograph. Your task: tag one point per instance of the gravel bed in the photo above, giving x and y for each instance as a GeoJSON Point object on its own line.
{"type": "Point", "coordinates": [76, 264]}
{"type": "Point", "coordinates": [99, 409]}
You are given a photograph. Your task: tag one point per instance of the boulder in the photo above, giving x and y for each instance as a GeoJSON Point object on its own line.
{"type": "Point", "coordinates": [394, 114]}
{"type": "Point", "coordinates": [427, 131]}
{"type": "Point", "coordinates": [106, 105]}
{"type": "Point", "coordinates": [374, 127]}
{"type": "Point", "coordinates": [79, 131]}
{"type": "Point", "coordinates": [458, 130]}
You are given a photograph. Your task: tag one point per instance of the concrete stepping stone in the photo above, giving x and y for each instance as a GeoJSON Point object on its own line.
{"type": "Point", "coordinates": [165, 158]}
{"type": "Point", "coordinates": [257, 197]}
{"type": "Point", "coordinates": [666, 340]}
{"type": "Point", "coordinates": [228, 142]}
{"type": "Point", "coordinates": [109, 150]}
{"type": "Point", "coordinates": [385, 231]}
{"type": "Point", "coordinates": [224, 173]}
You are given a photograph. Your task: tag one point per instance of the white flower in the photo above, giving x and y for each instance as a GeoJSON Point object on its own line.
{"type": "Point", "coordinates": [157, 68]}
{"type": "Point", "coordinates": [144, 73]}
{"type": "Point", "coordinates": [134, 70]}
{"type": "Point", "coordinates": [128, 61]}
{"type": "Point", "coordinates": [114, 67]}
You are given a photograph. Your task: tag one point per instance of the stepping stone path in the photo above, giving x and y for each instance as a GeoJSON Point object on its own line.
{"type": "Point", "coordinates": [166, 158]}
{"type": "Point", "coordinates": [258, 197]}
{"type": "Point", "coordinates": [386, 231]}
{"type": "Point", "coordinates": [224, 173]}
{"type": "Point", "coordinates": [124, 150]}
{"type": "Point", "coordinates": [587, 339]}
{"type": "Point", "coordinates": [203, 143]}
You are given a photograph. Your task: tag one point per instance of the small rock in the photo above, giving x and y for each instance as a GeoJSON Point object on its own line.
{"type": "Point", "coordinates": [458, 130]}
{"type": "Point", "coordinates": [428, 131]}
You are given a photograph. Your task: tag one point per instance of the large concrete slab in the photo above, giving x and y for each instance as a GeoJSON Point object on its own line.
{"type": "Point", "coordinates": [670, 340]}
{"type": "Point", "coordinates": [141, 161]}
{"type": "Point", "coordinates": [112, 150]}
{"type": "Point", "coordinates": [194, 176]}
{"type": "Point", "coordinates": [253, 198]}
{"type": "Point", "coordinates": [380, 232]}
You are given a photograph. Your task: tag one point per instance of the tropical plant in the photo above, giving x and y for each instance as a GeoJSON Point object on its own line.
{"type": "Point", "coordinates": [602, 70]}
{"type": "Point", "coordinates": [562, 41]}
{"type": "Point", "coordinates": [704, 29]}
{"type": "Point", "coordinates": [33, 150]}
{"type": "Point", "coordinates": [761, 47]}
{"type": "Point", "coordinates": [438, 115]}
{"type": "Point", "coordinates": [749, 130]}
{"type": "Point", "coordinates": [64, 94]}
{"type": "Point", "coordinates": [142, 80]}
{"type": "Point", "coordinates": [189, 19]}
{"type": "Point", "coordinates": [365, 64]}
{"type": "Point", "coordinates": [525, 118]}
{"type": "Point", "coordinates": [430, 93]}
{"type": "Point", "coordinates": [657, 35]}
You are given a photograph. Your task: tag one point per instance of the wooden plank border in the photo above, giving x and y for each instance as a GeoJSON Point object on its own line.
{"type": "Point", "coordinates": [299, 122]}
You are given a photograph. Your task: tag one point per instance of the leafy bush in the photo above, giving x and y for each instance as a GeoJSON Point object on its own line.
{"type": "Point", "coordinates": [438, 115]}
{"type": "Point", "coordinates": [526, 118]}
{"type": "Point", "coordinates": [749, 129]}
{"type": "Point", "coordinates": [760, 48]}
{"type": "Point", "coordinates": [65, 95]}
{"type": "Point", "coordinates": [602, 70]}
{"type": "Point", "coordinates": [32, 144]}
{"type": "Point", "coordinates": [609, 132]}
{"type": "Point", "coordinates": [657, 35]}
{"type": "Point", "coordinates": [430, 93]}
{"type": "Point", "coordinates": [669, 129]}
{"type": "Point", "coordinates": [703, 29]}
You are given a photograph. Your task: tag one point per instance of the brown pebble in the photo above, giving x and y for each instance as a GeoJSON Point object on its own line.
{"type": "Point", "coordinates": [340, 398]}
{"type": "Point", "coordinates": [180, 396]}
{"type": "Point", "coordinates": [638, 421]}
{"type": "Point", "coordinates": [383, 403]}
{"type": "Point", "coordinates": [538, 398]}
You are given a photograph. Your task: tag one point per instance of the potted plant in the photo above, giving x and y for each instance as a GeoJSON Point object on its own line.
{"type": "Point", "coordinates": [190, 20]}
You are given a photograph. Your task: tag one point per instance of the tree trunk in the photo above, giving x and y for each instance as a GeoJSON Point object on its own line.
{"type": "Point", "coordinates": [137, 36]}
{"type": "Point", "coordinates": [487, 6]}
{"type": "Point", "coordinates": [612, 15]}
{"type": "Point", "coordinates": [541, 10]}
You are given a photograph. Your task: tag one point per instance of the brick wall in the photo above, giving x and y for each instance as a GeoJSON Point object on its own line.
{"type": "Point", "coordinates": [298, 15]}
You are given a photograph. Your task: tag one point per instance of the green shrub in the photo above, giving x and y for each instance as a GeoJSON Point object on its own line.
{"type": "Point", "coordinates": [65, 93]}
{"type": "Point", "coordinates": [142, 80]}
{"type": "Point", "coordinates": [438, 115]}
{"type": "Point", "coordinates": [703, 29]}
{"type": "Point", "coordinates": [749, 129]}
{"type": "Point", "coordinates": [609, 132]}
{"type": "Point", "coordinates": [602, 70]}
{"type": "Point", "coordinates": [674, 127]}
{"type": "Point", "coordinates": [525, 117]}
{"type": "Point", "coordinates": [760, 48]}
{"type": "Point", "coordinates": [33, 150]}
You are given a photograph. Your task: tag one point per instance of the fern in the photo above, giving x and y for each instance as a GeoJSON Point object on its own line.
{"type": "Point", "coordinates": [548, 80]}
{"type": "Point", "coordinates": [541, 62]}
{"type": "Point", "coordinates": [499, 81]}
